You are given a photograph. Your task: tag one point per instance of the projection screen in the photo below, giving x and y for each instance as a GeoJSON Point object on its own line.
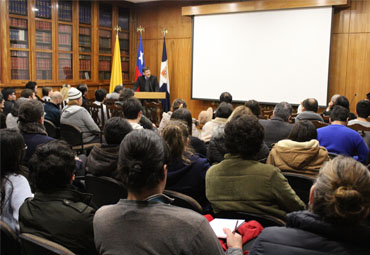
{"type": "Point", "coordinates": [269, 56]}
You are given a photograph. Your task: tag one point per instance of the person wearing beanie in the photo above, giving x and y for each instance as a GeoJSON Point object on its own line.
{"type": "Point", "coordinates": [76, 115]}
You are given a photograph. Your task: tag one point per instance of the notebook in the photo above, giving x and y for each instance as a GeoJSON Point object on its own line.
{"type": "Point", "coordinates": [219, 224]}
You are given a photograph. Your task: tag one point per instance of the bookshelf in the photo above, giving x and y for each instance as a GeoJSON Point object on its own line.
{"type": "Point", "coordinates": [105, 64]}
{"type": "Point", "coordinates": [105, 15]}
{"type": "Point", "coordinates": [84, 12]}
{"type": "Point", "coordinates": [85, 67]}
{"type": "Point", "coordinates": [18, 7]}
{"type": "Point", "coordinates": [18, 33]}
{"type": "Point", "coordinates": [65, 66]}
{"type": "Point", "coordinates": [65, 10]}
{"type": "Point", "coordinates": [105, 41]}
{"type": "Point", "coordinates": [43, 35]}
{"type": "Point", "coordinates": [44, 65]}
{"type": "Point", "coordinates": [65, 37]}
{"type": "Point", "coordinates": [19, 65]}
{"type": "Point", "coordinates": [43, 9]}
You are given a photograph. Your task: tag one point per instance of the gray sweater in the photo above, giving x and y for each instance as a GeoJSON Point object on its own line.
{"type": "Point", "coordinates": [80, 117]}
{"type": "Point", "coordinates": [156, 228]}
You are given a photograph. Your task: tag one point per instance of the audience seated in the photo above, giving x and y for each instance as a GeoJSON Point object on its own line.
{"type": "Point", "coordinates": [362, 113]}
{"type": "Point", "coordinates": [223, 111]}
{"type": "Point", "coordinates": [32, 85]}
{"type": "Point", "coordinates": [9, 97]}
{"type": "Point", "coordinates": [100, 95]}
{"type": "Point", "coordinates": [103, 158]}
{"type": "Point", "coordinates": [76, 115]}
{"type": "Point", "coordinates": [335, 222]}
{"type": "Point", "coordinates": [309, 110]}
{"type": "Point", "coordinates": [51, 108]}
{"type": "Point", "coordinates": [83, 89]}
{"type": "Point", "coordinates": [240, 183]}
{"type": "Point", "coordinates": [154, 226]}
{"type": "Point", "coordinates": [132, 112]}
{"type": "Point", "coordinates": [343, 101]}
{"type": "Point", "coordinates": [186, 171]}
{"type": "Point", "coordinates": [58, 212]}
{"type": "Point", "coordinates": [115, 94]}
{"type": "Point", "coordinates": [28, 93]}
{"type": "Point", "coordinates": [277, 128]}
{"type": "Point", "coordinates": [339, 139]}
{"type": "Point", "coordinates": [196, 144]}
{"type": "Point", "coordinates": [330, 105]}
{"type": "Point", "coordinates": [300, 153]}
{"type": "Point", "coordinates": [12, 117]}
{"type": "Point", "coordinates": [14, 185]}
{"type": "Point", "coordinates": [46, 91]}
{"type": "Point", "coordinates": [31, 126]}
{"type": "Point", "coordinates": [254, 106]}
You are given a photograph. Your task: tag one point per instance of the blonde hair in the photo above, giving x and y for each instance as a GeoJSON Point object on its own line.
{"type": "Point", "coordinates": [341, 191]}
{"type": "Point", "coordinates": [64, 91]}
{"type": "Point", "coordinates": [240, 110]}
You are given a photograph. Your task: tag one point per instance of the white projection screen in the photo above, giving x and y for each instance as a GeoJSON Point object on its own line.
{"type": "Point", "coordinates": [269, 56]}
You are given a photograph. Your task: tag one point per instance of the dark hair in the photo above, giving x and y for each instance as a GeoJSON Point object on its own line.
{"type": "Point", "coordinates": [31, 85]}
{"type": "Point", "coordinates": [254, 106]}
{"type": "Point", "coordinates": [27, 93]}
{"type": "Point", "coordinates": [303, 131]}
{"type": "Point", "coordinates": [115, 129]}
{"type": "Point", "coordinates": [15, 109]}
{"type": "Point", "coordinates": [342, 101]}
{"type": "Point", "coordinates": [339, 113]}
{"type": "Point", "coordinates": [177, 103]}
{"type": "Point", "coordinates": [30, 111]}
{"type": "Point", "coordinates": [118, 88]}
{"type": "Point", "coordinates": [244, 136]}
{"type": "Point", "coordinates": [363, 109]}
{"type": "Point", "coordinates": [53, 164]}
{"type": "Point", "coordinates": [283, 110]}
{"type": "Point", "coordinates": [226, 97]}
{"type": "Point", "coordinates": [145, 68]}
{"type": "Point", "coordinates": [368, 96]}
{"type": "Point", "coordinates": [83, 88]}
{"type": "Point", "coordinates": [100, 95]}
{"type": "Point", "coordinates": [6, 92]}
{"type": "Point", "coordinates": [2, 120]}
{"type": "Point", "coordinates": [341, 191]}
{"type": "Point", "coordinates": [126, 93]}
{"type": "Point", "coordinates": [131, 108]}
{"type": "Point", "coordinates": [311, 104]}
{"type": "Point", "coordinates": [45, 91]}
{"type": "Point", "coordinates": [142, 155]}
{"type": "Point", "coordinates": [184, 115]}
{"type": "Point", "coordinates": [12, 149]}
{"type": "Point", "coordinates": [224, 110]}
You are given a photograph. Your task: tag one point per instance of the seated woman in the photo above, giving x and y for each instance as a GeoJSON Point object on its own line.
{"type": "Point", "coordinates": [239, 183]}
{"type": "Point", "coordinates": [335, 222]}
{"type": "Point", "coordinates": [14, 186]}
{"type": "Point", "coordinates": [145, 222]}
{"type": "Point", "coordinates": [186, 170]}
{"type": "Point", "coordinates": [300, 152]}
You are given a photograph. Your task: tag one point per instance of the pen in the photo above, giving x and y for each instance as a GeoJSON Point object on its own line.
{"type": "Point", "coordinates": [236, 226]}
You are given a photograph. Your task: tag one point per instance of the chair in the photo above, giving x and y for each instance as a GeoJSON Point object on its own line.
{"type": "Point", "coordinates": [114, 110]}
{"type": "Point", "coordinates": [264, 220]}
{"type": "Point", "coordinates": [184, 201]}
{"type": "Point", "coordinates": [360, 128]}
{"type": "Point", "coordinates": [105, 190]}
{"type": "Point", "coordinates": [267, 113]}
{"type": "Point", "coordinates": [153, 110]}
{"type": "Point", "coordinates": [35, 245]}
{"type": "Point", "coordinates": [97, 113]}
{"type": "Point", "coordinates": [51, 129]}
{"type": "Point", "coordinates": [10, 243]}
{"type": "Point", "coordinates": [73, 136]}
{"type": "Point", "coordinates": [319, 124]}
{"type": "Point", "coordinates": [301, 184]}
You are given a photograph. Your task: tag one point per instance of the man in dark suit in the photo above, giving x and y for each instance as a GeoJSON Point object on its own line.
{"type": "Point", "coordinates": [278, 127]}
{"type": "Point", "coordinates": [146, 82]}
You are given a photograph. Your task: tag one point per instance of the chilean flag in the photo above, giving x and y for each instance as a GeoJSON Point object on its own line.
{"type": "Point", "coordinates": [164, 84]}
{"type": "Point", "coordinates": [140, 62]}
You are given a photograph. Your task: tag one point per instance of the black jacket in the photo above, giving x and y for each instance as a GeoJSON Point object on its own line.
{"type": "Point", "coordinates": [276, 129]}
{"type": "Point", "coordinates": [103, 160]}
{"type": "Point", "coordinates": [153, 84]}
{"type": "Point", "coordinates": [64, 217]}
{"type": "Point", "coordinates": [52, 113]}
{"type": "Point", "coordinates": [305, 233]}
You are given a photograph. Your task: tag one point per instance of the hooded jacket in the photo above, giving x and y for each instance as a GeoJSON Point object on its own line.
{"type": "Point", "coordinates": [80, 117]}
{"type": "Point", "coordinates": [298, 157]}
{"type": "Point", "coordinates": [103, 160]}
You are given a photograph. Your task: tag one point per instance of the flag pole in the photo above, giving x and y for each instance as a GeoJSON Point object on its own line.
{"type": "Point", "coordinates": [164, 31]}
{"type": "Point", "coordinates": [140, 29]}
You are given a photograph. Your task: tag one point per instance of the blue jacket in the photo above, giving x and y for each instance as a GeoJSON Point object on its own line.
{"type": "Point", "coordinates": [342, 140]}
{"type": "Point", "coordinates": [32, 140]}
{"type": "Point", "coordinates": [52, 113]}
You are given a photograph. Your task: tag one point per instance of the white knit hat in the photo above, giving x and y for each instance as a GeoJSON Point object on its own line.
{"type": "Point", "coordinates": [74, 93]}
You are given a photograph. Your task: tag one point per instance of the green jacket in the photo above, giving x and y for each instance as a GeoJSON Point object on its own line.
{"type": "Point", "coordinates": [64, 217]}
{"type": "Point", "coordinates": [242, 185]}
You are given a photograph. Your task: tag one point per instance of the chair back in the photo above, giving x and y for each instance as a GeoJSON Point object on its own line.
{"type": "Point", "coordinates": [35, 245]}
{"type": "Point", "coordinates": [51, 129]}
{"type": "Point", "coordinates": [105, 190]}
{"type": "Point", "coordinates": [153, 110]}
{"type": "Point", "coordinates": [360, 128]}
{"type": "Point", "coordinates": [97, 113]}
{"type": "Point", "coordinates": [264, 220]}
{"type": "Point", "coordinates": [184, 201]}
{"type": "Point", "coordinates": [301, 184]}
{"type": "Point", "coordinates": [319, 124]}
{"type": "Point", "coordinates": [9, 240]}
{"type": "Point", "coordinates": [114, 110]}
{"type": "Point", "coordinates": [71, 134]}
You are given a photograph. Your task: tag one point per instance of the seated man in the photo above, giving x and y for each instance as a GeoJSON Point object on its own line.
{"type": "Point", "coordinates": [132, 112]}
{"type": "Point", "coordinates": [277, 128]}
{"type": "Point", "coordinates": [76, 115]}
{"type": "Point", "coordinates": [46, 91]}
{"type": "Point", "coordinates": [239, 183]}
{"type": "Point", "coordinates": [28, 93]}
{"type": "Point", "coordinates": [339, 139]}
{"type": "Point", "coordinates": [58, 212]}
{"type": "Point", "coordinates": [103, 158]}
{"type": "Point", "coordinates": [362, 113]}
{"type": "Point", "coordinates": [115, 94]}
{"type": "Point", "coordinates": [83, 88]}
{"type": "Point", "coordinates": [51, 108]}
{"type": "Point", "coordinates": [9, 97]}
{"type": "Point", "coordinates": [309, 110]}
{"type": "Point", "coordinates": [100, 95]}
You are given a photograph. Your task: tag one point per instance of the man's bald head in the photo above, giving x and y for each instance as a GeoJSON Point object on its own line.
{"type": "Point", "coordinates": [56, 97]}
{"type": "Point", "coordinates": [310, 104]}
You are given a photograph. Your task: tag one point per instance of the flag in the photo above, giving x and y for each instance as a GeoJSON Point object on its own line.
{"type": "Point", "coordinates": [140, 62]}
{"type": "Point", "coordinates": [164, 84]}
{"type": "Point", "coordinates": [116, 74]}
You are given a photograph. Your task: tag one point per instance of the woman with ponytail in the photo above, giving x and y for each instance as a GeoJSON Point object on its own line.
{"type": "Point", "coordinates": [336, 222]}
{"type": "Point", "coordinates": [14, 186]}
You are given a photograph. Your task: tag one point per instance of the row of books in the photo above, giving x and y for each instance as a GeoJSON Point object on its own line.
{"type": "Point", "coordinates": [43, 64]}
{"type": "Point", "coordinates": [84, 75]}
{"type": "Point", "coordinates": [65, 63]}
{"type": "Point", "coordinates": [43, 25]}
{"type": "Point", "coordinates": [105, 16]}
{"type": "Point", "coordinates": [65, 39]}
{"type": "Point", "coordinates": [20, 23]}
{"type": "Point", "coordinates": [104, 75]}
{"type": "Point", "coordinates": [124, 44]}
{"type": "Point", "coordinates": [18, 34]}
{"type": "Point", "coordinates": [44, 75]}
{"type": "Point", "coordinates": [105, 43]}
{"type": "Point", "coordinates": [125, 75]}
{"type": "Point", "coordinates": [85, 12]}
{"type": "Point", "coordinates": [19, 63]}
{"type": "Point", "coordinates": [18, 7]}
{"type": "Point", "coordinates": [125, 66]}
{"type": "Point", "coordinates": [43, 46]}
{"type": "Point", "coordinates": [44, 9]}
{"type": "Point", "coordinates": [65, 29]}
{"type": "Point", "coordinates": [15, 53]}
{"type": "Point", "coordinates": [104, 65]}
{"type": "Point", "coordinates": [42, 37]}
{"type": "Point", "coordinates": [85, 31]}
{"type": "Point", "coordinates": [20, 74]}
{"type": "Point", "coordinates": [85, 64]}
{"type": "Point", "coordinates": [19, 45]}
{"type": "Point", "coordinates": [65, 10]}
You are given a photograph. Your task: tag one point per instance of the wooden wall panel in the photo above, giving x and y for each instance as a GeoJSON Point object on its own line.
{"type": "Point", "coordinates": [360, 16]}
